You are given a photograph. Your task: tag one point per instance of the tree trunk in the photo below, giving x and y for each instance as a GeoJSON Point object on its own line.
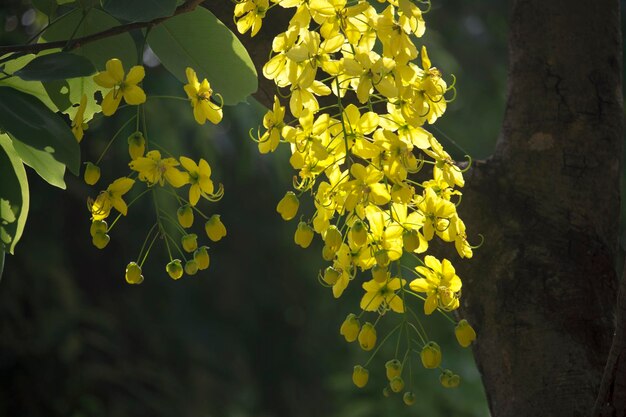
{"type": "Point", "coordinates": [542, 288]}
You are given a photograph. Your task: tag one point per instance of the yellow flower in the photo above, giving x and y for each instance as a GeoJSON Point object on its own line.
{"type": "Point", "coordinates": [111, 198]}
{"type": "Point", "coordinates": [121, 86]}
{"type": "Point", "coordinates": [393, 369]}
{"type": "Point", "coordinates": [288, 206]}
{"type": "Point", "coordinates": [431, 355]}
{"type": "Point", "coordinates": [440, 283]}
{"type": "Point", "coordinates": [133, 273]}
{"type": "Point", "coordinates": [382, 293]}
{"type": "Point", "coordinates": [350, 328]}
{"type": "Point", "coordinates": [360, 376]}
{"type": "Point", "coordinates": [92, 173]}
{"type": "Point", "coordinates": [250, 14]}
{"type": "Point", "coordinates": [199, 178]}
{"type": "Point", "coordinates": [304, 235]}
{"type": "Point", "coordinates": [78, 125]}
{"type": "Point", "coordinates": [152, 169]}
{"type": "Point", "coordinates": [201, 256]}
{"type": "Point", "coordinates": [200, 96]}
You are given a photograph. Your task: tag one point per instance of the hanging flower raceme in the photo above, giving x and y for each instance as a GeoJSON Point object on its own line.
{"type": "Point", "coordinates": [359, 165]}
{"type": "Point", "coordinates": [157, 174]}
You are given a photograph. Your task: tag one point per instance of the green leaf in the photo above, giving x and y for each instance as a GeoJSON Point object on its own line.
{"type": "Point", "coordinates": [139, 10]}
{"type": "Point", "coordinates": [30, 122]}
{"type": "Point", "coordinates": [1, 262]}
{"type": "Point", "coordinates": [59, 93]}
{"type": "Point", "coordinates": [47, 7]}
{"type": "Point", "coordinates": [78, 87]}
{"type": "Point", "coordinates": [99, 52]}
{"type": "Point", "coordinates": [43, 162]}
{"type": "Point", "coordinates": [34, 88]}
{"type": "Point", "coordinates": [14, 197]}
{"type": "Point", "coordinates": [56, 66]}
{"type": "Point", "coordinates": [200, 41]}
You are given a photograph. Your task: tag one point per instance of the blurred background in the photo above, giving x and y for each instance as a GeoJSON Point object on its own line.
{"type": "Point", "coordinates": [255, 334]}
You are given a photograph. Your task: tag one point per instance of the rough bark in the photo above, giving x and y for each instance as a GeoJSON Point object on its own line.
{"type": "Point", "coordinates": [541, 290]}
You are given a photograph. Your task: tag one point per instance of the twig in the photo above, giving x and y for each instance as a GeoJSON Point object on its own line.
{"type": "Point", "coordinates": [188, 6]}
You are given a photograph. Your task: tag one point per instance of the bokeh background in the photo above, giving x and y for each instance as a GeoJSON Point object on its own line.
{"type": "Point", "coordinates": [255, 334]}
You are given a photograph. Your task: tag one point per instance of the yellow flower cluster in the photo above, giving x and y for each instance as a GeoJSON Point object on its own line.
{"type": "Point", "coordinates": [157, 173]}
{"type": "Point", "coordinates": [359, 102]}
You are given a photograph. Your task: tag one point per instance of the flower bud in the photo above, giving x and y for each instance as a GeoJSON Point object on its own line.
{"type": "Point", "coordinates": [304, 235]}
{"type": "Point", "coordinates": [136, 145]}
{"type": "Point", "coordinates": [393, 369]}
{"type": "Point", "coordinates": [133, 273]}
{"type": "Point", "coordinates": [185, 216]}
{"type": "Point", "coordinates": [358, 234]}
{"type": "Point", "coordinates": [410, 240]}
{"type": "Point", "coordinates": [382, 257]}
{"type": "Point", "coordinates": [350, 328]}
{"type": "Point", "coordinates": [465, 333]}
{"type": "Point", "coordinates": [380, 273]}
{"type": "Point", "coordinates": [331, 275]}
{"type": "Point", "coordinates": [214, 228]}
{"type": "Point", "coordinates": [189, 242]}
{"type": "Point", "coordinates": [174, 269]}
{"type": "Point", "coordinates": [449, 379]}
{"type": "Point", "coordinates": [288, 206]}
{"type": "Point", "coordinates": [396, 384]}
{"type": "Point", "coordinates": [360, 376]}
{"type": "Point", "coordinates": [100, 240]}
{"type": "Point", "coordinates": [327, 253]}
{"type": "Point", "coordinates": [92, 173]}
{"type": "Point", "coordinates": [408, 398]}
{"type": "Point", "coordinates": [201, 256]}
{"type": "Point", "coordinates": [191, 267]}
{"type": "Point", "coordinates": [367, 336]}
{"type": "Point", "coordinates": [98, 226]}
{"type": "Point", "coordinates": [386, 392]}
{"type": "Point", "coordinates": [333, 238]}
{"type": "Point", "coordinates": [431, 355]}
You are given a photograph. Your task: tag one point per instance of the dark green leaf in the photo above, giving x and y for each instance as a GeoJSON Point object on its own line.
{"type": "Point", "coordinates": [34, 88]}
{"type": "Point", "coordinates": [1, 262]}
{"type": "Point", "coordinates": [32, 123]}
{"type": "Point", "coordinates": [139, 10]}
{"type": "Point", "coordinates": [43, 162]}
{"type": "Point", "coordinates": [14, 197]}
{"type": "Point", "coordinates": [99, 52]}
{"type": "Point", "coordinates": [59, 93]}
{"type": "Point", "coordinates": [200, 41]}
{"type": "Point", "coordinates": [47, 7]}
{"type": "Point", "coordinates": [57, 66]}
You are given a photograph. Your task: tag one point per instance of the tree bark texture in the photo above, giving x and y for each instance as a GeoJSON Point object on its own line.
{"type": "Point", "coordinates": [542, 289]}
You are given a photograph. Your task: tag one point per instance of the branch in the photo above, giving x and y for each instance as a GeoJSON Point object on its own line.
{"type": "Point", "coordinates": [188, 6]}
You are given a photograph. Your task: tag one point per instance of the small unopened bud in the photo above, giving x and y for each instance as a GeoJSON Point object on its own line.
{"type": "Point", "coordinates": [360, 376]}
{"type": "Point", "coordinates": [358, 233]}
{"type": "Point", "coordinates": [174, 269]}
{"type": "Point", "coordinates": [191, 267]}
{"type": "Point", "coordinates": [449, 379]}
{"type": "Point", "coordinates": [367, 336]}
{"type": "Point", "coordinates": [350, 328]}
{"type": "Point", "coordinates": [98, 226]}
{"type": "Point", "coordinates": [393, 369]}
{"type": "Point", "coordinates": [185, 216]}
{"type": "Point", "coordinates": [100, 240]}
{"type": "Point", "coordinates": [92, 173]}
{"type": "Point", "coordinates": [431, 355]}
{"type": "Point", "coordinates": [201, 256]}
{"type": "Point", "coordinates": [410, 240]}
{"type": "Point", "coordinates": [288, 206]}
{"type": "Point", "coordinates": [333, 238]}
{"type": "Point", "coordinates": [214, 228]}
{"type": "Point", "coordinates": [382, 257]}
{"type": "Point", "coordinates": [133, 273]}
{"type": "Point", "coordinates": [331, 275]}
{"type": "Point", "coordinates": [396, 384]}
{"type": "Point", "coordinates": [136, 145]}
{"type": "Point", "coordinates": [304, 235]}
{"type": "Point", "coordinates": [380, 273]}
{"type": "Point", "coordinates": [465, 333]}
{"type": "Point", "coordinates": [189, 242]}
{"type": "Point", "coordinates": [408, 398]}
